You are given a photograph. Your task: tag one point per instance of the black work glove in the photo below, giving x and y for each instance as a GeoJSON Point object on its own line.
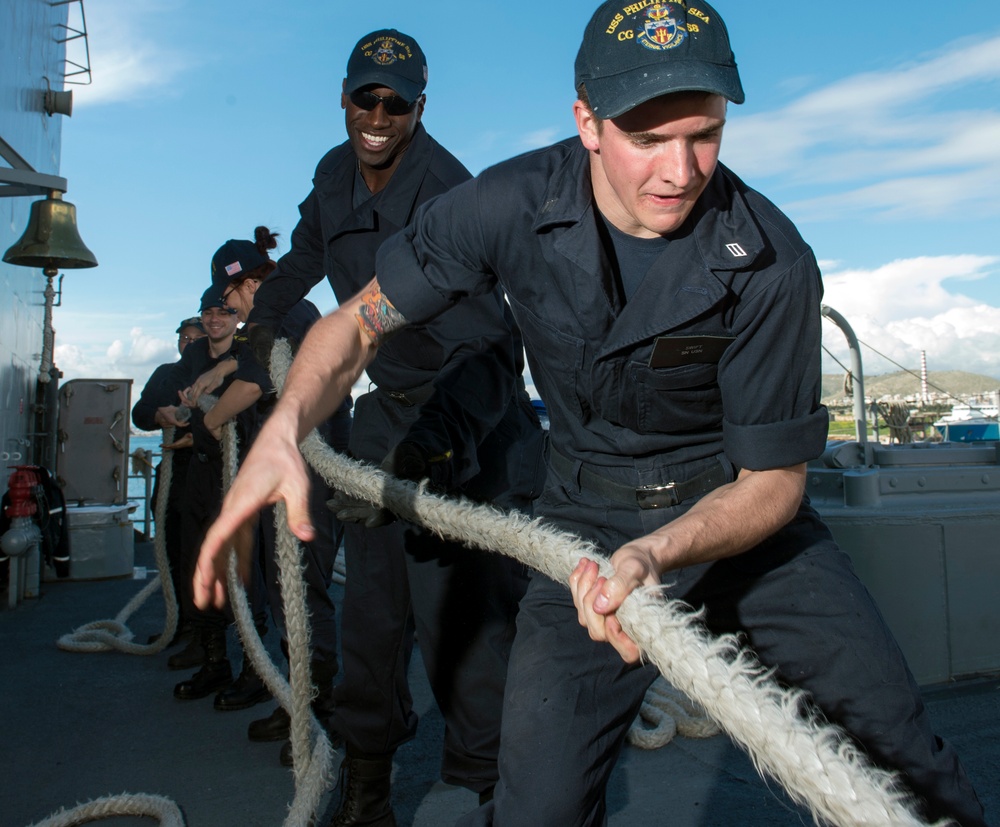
{"type": "Point", "coordinates": [410, 461]}
{"type": "Point", "coordinates": [407, 461]}
{"type": "Point", "coordinates": [261, 340]}
{"type": "Point", "coordinates": [354, 510]}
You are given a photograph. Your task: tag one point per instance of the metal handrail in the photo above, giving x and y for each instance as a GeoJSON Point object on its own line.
{"type": "Point", "coordinates": [860, 418]}
{"type": "Point", "coordinates": [146, 460]}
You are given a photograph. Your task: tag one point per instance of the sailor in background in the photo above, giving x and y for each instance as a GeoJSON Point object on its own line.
{"type": "Point", "coordinates": [144, 418]}
{"type": "Point", "coordinates": [447, 403]}
{"type": "Point", "coordinates": [203, 489]}
{"type": "Point", "coordinates": [239, 269]}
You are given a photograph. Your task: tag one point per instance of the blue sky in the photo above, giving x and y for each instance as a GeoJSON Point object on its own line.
{"type": "Point", "coordinates": [876, 128]}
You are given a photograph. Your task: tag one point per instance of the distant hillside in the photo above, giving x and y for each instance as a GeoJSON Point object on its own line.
{"type": "Point", "coordinates": [940, 383]}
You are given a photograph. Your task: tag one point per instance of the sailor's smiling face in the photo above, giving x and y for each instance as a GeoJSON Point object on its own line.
{"type": "Point", "coordinates": [219, 322]}
{"type": "Point", "coordinates": [377, 137]}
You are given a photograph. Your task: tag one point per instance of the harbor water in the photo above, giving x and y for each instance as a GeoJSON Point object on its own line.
{"type": "Point", "coordinates": [136, 480]}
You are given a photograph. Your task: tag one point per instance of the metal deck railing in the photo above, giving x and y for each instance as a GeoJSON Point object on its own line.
{"type": "Point", "coordinates": [140, 488]}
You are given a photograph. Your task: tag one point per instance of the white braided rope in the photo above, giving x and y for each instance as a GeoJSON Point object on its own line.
{"type": "Point", "coordinates": [666, 712]}
{"type": "Point", "coordinates": [126, 804]}
{"type": "Point", "coordinates": [815, 762]}
{"type": "Point", "coordinates": [114, 635]}
{"type": "Point", "coordinates": [312, 770]}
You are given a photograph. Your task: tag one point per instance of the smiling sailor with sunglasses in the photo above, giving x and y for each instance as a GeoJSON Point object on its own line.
{"type": "Point", "coordinates": [475, 435]}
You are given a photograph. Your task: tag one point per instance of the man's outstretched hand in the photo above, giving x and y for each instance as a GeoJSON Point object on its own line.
{"type": "Point", "coordinates": [273, 470]}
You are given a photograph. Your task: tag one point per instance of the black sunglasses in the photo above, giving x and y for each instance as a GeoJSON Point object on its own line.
{"type": "Point", "coordinates": [394, 104]}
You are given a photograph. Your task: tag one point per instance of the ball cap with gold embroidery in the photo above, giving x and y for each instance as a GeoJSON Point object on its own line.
{"type": "Point", "coordinates": [388, 58]}
{"type": "Point", "coordinates": [634, 52]}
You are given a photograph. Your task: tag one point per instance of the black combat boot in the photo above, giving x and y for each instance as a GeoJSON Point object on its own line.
{"type": "Point", "coordinates": [274, 727]}
{"type": "Point", "coordinates": [182, 634]}
{"type": "Point", "coordinates": [216, 674]}
{"type": "Point", "coordinates": [247, 690]}
{"type": "Point", "coordinates": [365, 792]}
{"type": "Point", "coordinates": [191, 655]}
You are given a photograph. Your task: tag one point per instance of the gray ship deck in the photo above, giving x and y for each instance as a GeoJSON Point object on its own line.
{"type": "Point", "coordinates": [82, 726]}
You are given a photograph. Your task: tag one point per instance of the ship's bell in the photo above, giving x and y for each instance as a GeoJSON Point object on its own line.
{"type": "Point", "coordinates": [51, 240]}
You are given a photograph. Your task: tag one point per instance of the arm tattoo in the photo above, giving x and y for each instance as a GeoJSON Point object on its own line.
{"type": "Point", "coordinates": [377, 317]}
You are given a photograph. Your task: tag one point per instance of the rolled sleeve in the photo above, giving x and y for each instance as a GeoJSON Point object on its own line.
{"type": "Point", "coordinates": [438, 264]}
{"type": "Point", "coordinates": [770, 377]}
{"type": "Point", "coordinates": [438, 259]}
{"type": "Point", "coordinates": [249, 370]}
{"type": "Point", "coordinates": [776, 444]}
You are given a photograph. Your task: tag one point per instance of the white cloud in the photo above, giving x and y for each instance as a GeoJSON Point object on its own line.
{"type": "Point", "coordinates": [904, 288]}
{"type": "Point", "coordinates": [127, 59]}
{"type": "Point", "coordinates": [960, 63]}
{"type": "Point", "coordinates": [540, 138]}
{"type": "Point", "coordinates": [138, 357]}
{"type": "Point", "coordinates": [135, 358]}
{"type": "Point", "coordinates": [920, 140]}
{"type": "Point", "coordinates": [148, 350]}
{"type": "Point", "coordinates": [916, 197]}
{"type": "Point", "coordinates": [115, 351]}
{"type": "Point", "coordinates": [917, 310]}
{"type": "Point", "coordinates": [73, 362]}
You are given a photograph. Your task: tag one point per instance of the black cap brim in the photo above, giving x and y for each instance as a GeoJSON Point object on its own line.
{"type": "Point", "coordinates": [616, 95]}
{"type": "Point", "coordinates": [406, 89]}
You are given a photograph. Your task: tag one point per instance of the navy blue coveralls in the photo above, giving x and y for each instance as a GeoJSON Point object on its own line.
{"type": "Point", "coordinates": [320, 553]}
{"type": "Point", "coordinates": [202, 486]}
{"type": "Point", "coordinates": [453, 385]}
{"type": "Point", "coordinates": [711, 366]}
{"type": "Point", "coordinates": [154, 396]}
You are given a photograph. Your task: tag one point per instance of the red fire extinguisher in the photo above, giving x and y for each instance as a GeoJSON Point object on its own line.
{"type": "Point", "coordinates": [33, 510]}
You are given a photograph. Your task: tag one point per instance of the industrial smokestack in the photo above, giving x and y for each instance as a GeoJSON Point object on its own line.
{"type": "Point", "coordinates": [924, 396]}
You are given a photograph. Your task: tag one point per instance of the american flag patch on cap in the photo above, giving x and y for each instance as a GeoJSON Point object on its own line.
{"type": "Point", "coordinates": [233, 269]}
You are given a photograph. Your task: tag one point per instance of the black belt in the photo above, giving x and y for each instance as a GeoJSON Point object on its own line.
{"type": "Point", "coordinates": [414, 396]}
{"type": "Point", "coordinates": [661, 495]}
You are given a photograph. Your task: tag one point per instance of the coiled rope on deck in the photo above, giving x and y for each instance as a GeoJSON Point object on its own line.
{"type": "Point", "coordinates": [126, 804]}
{"type": "Point", "coordinates": [312, 768]}
{"type": "Point", "coordinates": [108, 635]}
{"type": "Point", "coordinates": [664, 713]}
{"type": "Point", "coordinates": [786, 739]}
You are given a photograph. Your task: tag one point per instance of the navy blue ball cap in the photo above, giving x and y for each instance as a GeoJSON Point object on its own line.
{"type": "Point", "coordinates": [634, 52]}
{"type": "Point", "coordinates": [233, 259]}
{"type": "Point", "coordinates": [391, 59]}
{"type": "Point", "coordinates": [213, 298]}
{"type": "Point", "coordinates": [194, 321]}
